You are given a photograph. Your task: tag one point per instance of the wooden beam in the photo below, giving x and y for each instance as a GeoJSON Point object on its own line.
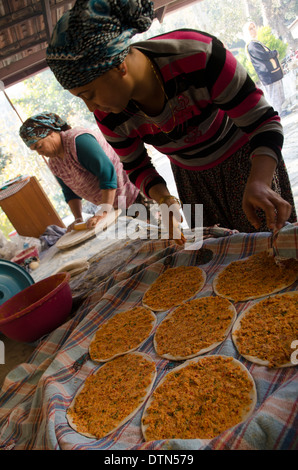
{"type": "Point", "coordinates": [22, 75]}
{"type": "Point", "coordinates": [6, 21]}
{"type": "Point", "coordinates": [160, 13]}
{"type": "Point", "coordinates": [7, 52]}
{"type": "Point", "coordinates": [22, 69]}
{"type": "Point", "coordinates": [47, 16]}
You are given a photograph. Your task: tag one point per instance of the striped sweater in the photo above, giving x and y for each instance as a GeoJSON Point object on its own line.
{"type": "Point", "coordinates": [212, 109]}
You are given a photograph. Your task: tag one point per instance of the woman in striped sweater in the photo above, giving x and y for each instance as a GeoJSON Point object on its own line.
{"type": "Point", "coordinates": [186, 95]}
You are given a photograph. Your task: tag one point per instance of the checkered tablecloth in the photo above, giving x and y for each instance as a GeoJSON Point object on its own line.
{"type": "Point", "coordinates": [35, 395]}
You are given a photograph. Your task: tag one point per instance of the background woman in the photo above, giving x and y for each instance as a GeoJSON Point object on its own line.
{"type": "Point", "coordinates": [84, 164]}
{"type": "Point", "coordinates": [266, 65]}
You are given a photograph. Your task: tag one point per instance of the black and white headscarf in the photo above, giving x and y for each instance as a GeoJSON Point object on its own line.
{"type": "Point", "coordinates": [40, 126]}
{"type": "Point", "coordinates": [94, 37]}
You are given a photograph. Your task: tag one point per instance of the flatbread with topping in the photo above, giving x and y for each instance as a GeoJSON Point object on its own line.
{"type": "Point", "coordinates": [255, 277]}
{"type": "Point", "coordinates": [111, 396]}
{"type": "Point", "coordinates": [194, 328]}
{"type": "Point", "coordinates": [123, 333]}
{"type": "Point", "coordinates": [174, 286]}
{"type": "Point", "coordinates": [199, 400]}
{"type": "Point", "coordinates": [276, 319]}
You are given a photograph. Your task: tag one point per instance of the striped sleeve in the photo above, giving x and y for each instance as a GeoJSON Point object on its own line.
{"type": "Point", "coordinates": [233, 90]}
{"type": "Point", "coordinates": [131, 151]}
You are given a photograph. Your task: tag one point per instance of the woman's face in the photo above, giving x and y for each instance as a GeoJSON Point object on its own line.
{"type": "Point", "coordinates": [49, 146]}
{"type": "Point", "coordinates": [252, 30]}
{"type": "Point", "coordinates": [109, 92]}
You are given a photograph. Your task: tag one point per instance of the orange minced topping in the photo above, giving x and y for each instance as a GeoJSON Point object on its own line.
{"type": "Point", "coordinates": [112, 394]}
{"type": "Point", "coordinates": [123, 332]}
{"type": "Point", "coordinates": [174, 286]}
{"type": "Point", "coordinates": [258, 275]}
{"type": "Point", "coordinates": [193, 326]}
{"type": "Point", "coordinates": [268, 329]}
{"type": "Point", "coordinates": [199, 401]}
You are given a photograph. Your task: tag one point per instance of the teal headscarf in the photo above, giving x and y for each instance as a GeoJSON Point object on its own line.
{"type": "Point", "coordinates": [94, 37]}
{"type": "Point", "coordinates": [40, 126]}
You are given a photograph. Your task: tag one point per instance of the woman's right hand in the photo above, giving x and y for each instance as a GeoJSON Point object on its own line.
{"type": "Point", "coordinates": [172, 218]}
{"type": "Point", "coordinates": [93, 221]}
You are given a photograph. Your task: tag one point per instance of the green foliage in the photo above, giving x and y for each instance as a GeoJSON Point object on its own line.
{"type": "Point", "coordinates": [244, 60]}
{"type": "Point", "coordinates": [266, 37]}
{"type": "Point", "coordinates": [5, 158]}
{"type": "Point", "coordinates": [44, 93]}
{"type": "Point", "coordinates": [290, 10]}
{"type": "Point", "coordinates": [6, 227]}
{"type": "Point", "coordinates": [5, 224]}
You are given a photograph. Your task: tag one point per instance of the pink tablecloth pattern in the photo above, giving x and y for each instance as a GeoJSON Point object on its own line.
{"type": "Point", "coordinates": [35, 395]}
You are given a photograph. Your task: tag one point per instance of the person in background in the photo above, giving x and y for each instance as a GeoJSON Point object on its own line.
{"type": "Point", "coordinates": [84, 164]}
{"type": "Point", "coordinates": [186, 95]}
{"type": "Point", "coordinates": [266, 65]}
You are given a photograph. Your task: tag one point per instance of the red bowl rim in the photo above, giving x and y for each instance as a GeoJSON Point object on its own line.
{"type": "Point", "coordinates": [25, 311]}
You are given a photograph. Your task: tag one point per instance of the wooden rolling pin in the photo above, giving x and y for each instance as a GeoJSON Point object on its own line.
{"type": "Point", "coordinates": [80, 226]}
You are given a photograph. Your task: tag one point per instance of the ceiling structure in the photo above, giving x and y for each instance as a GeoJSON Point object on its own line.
{"type": "Point", "coordinates": [26, 27]}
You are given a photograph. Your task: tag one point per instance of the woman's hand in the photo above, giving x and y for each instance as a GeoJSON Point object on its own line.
{"type": "Point", "coordinates": [93, 221]}
{"type": "Point", "coordinates": [172, 218]}
{"type": "Point", "coordinates": [259, 195]}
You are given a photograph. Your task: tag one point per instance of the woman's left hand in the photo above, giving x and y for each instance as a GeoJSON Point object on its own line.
{"type": "Point", "coordinates": [76, 221]}
{"type": "Point", "coordinates": [258, 195]}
